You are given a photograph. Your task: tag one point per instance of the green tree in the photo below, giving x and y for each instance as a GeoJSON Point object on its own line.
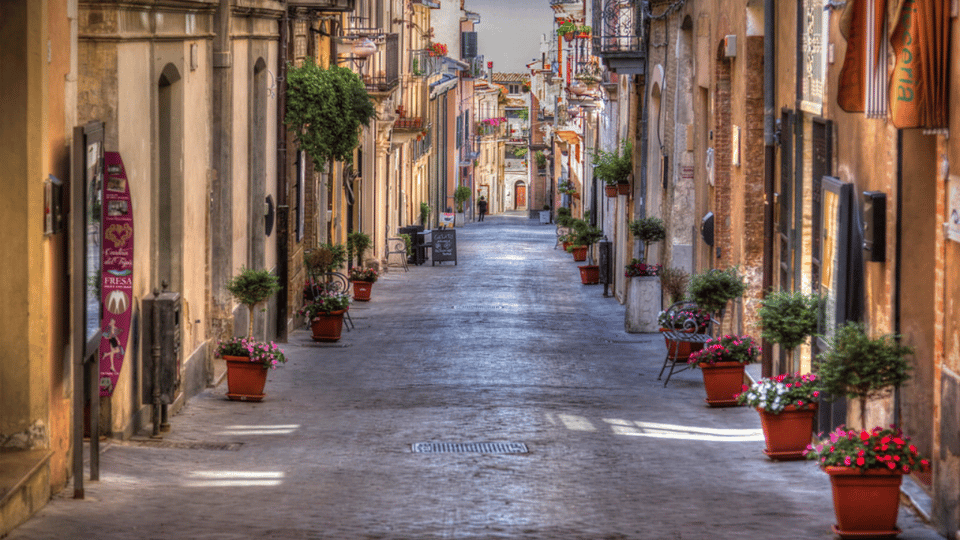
{"type": "Point", "coordinates": [325, 109]}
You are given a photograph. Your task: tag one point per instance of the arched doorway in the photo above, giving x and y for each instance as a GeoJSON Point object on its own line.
{"type": "Point", "coordinates": [520, 196]}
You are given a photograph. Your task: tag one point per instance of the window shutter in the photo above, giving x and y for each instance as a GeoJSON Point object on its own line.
{"type": "Point", "coordinates": [468, 45]}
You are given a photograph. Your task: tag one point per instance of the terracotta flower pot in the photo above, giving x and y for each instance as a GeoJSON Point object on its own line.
{"type": "Point", "coordinates": [788, 433]}
{"type": "Point", "coordinates": [611, 191]}
{"type": "Point", "coordinates": [245, 379]}
{"type": "Point", "coordinates": [328, 326]}
{"type": "Point", "coordinates": [569, 36]}
{"type": "Point", "coordinates": [680, 350]}
{"type": "Point", "coordinates": [361, 290]}
{"type": "Point", "coordinates": [865, 503]}
{"type": "Point", "coordinates": [579, 253]}
{"type": "Point", "coordinates": [589, 274]}
{"type": "Point", "coordinates": [623, 189]}
{"type": "Point", "coordinates": [722, 381]}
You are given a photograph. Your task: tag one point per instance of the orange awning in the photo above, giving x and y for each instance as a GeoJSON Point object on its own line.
{"type": "Point", "coordinates": [918, 84]}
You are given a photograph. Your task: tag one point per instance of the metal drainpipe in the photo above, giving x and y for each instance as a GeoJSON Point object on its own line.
{"type": "Point", "coordinates": [283, 209]}
{"type": "Point", "coordinates": [898, 267]}
{"type": "Point", "coordinates": [644, 129]}
{"type": "Point", "coordinates": [769, 161]}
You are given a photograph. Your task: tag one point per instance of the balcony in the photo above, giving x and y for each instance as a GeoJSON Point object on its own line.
{"type": "Point", "coordinates": [381, 71]}
{"type": "Point", "coordinates": [405, 123]}
{"type": "Point", "coordinates": [477, 68]}
{"type": "Point", "coordinates": [422, 64]}
{"type": "Point", "coordinates": [323, 5]}
{"type": "Point", "coordinates": [618, 35]}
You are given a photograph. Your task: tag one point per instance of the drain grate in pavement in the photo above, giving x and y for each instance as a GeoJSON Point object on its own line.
{"type": "Point", "coordinates": [482, 448]}
{"type": "Point", "coordinates": [183, 445]}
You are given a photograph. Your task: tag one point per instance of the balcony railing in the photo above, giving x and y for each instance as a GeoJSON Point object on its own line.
{"type": "Point", "coordinates": [477, 67]}
{"type": "Point", "coordinates": [618, 34]}
{"type": "Point", "coordinates": [382, 70]}
{"type": "Point", "coordinates": [408, 124]}
{"type": "Point", "coordinates": [422, 64]}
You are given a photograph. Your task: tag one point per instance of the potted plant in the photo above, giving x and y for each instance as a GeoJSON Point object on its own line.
{"type": "Point", "coordinates": [647, 231]}
{"type": "Point", "coordinates": [567, 29]}
{"type": "Point", "coordinates": [584, 32]}
{"type": "Point", "coordinates": [247, 363]}
{"type": "Point", "coordinates": [614, 168]}
{"type": "Point", "coordinates": [567, 188]}
{"type": "Point", "coordinates": [363, 280]}
{"type": "Point", "coordinates": [789, 318]}
{"type": "Point", "coordinates": [460, 196]}
{"type": "Point", "coordinates": [786, 404]}
{"type": "Point", "coordinates": [541, 159]}
{"type": "Point", "coordinates": [583, 235]}
{"type": "Point", "coordinates": [564, 219]}
{"type": "Point", "coordinates": [644, 294]}
{"type": "Point", "coordinates": [437, 49]}
{"type": "Point", "coordinates": [712, 290]}
{"type": "Point", "coordinates": [861, 367]}
{"type": "Point", "coordinates": [866, 469]}
{"type": "Point", "coordinates": [325, 314]}
{"type": "Point", "coordinates": [325, 259]}
{"type": "Point", "coordinates": [247, 358]}
{"type": "Point", "coordinates": [722, 361]}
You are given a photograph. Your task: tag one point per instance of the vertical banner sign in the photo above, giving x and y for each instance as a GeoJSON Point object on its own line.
{"type": "Point", "coordinates": [117, 273]}
{"type": "Point", "coordinates": [953, 221]}
{"type": "Point", "coordinates": [814, 56]}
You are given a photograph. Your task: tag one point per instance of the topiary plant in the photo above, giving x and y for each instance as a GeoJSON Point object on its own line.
{"type": "Point", "coordinates": [325, 258]}
{"type": "Point", "coordinates": [714, 288]}
{"type": "Point", "coordinates": [788, 318]}
{"type": "Point", "coordinates": [424, 213]}
{"type": "Point", "coordinates": [861, 367]}
{"type": "Point", "coordinates": [460, 196]}
{"type": "Point", "coordinates": [647, 230]}
{"type": "Point", "coordinates": [250, 287]}
{"type": "Point", "coordinates": [357, 245]}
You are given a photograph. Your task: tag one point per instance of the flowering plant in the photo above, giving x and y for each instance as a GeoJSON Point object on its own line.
{"type": "Point", "coordinates": [879, 448]}
{"type": "Point", "coordinates": [266, 353]}
{"type": "Point", "coordinates": [364, 274]}
{"type": "Point", "coordinates": [684, 319]}
{"type": "Point", "coordinates": [638, 268]}
{"type": "Point", "coordinates": [438, 49]}
{"type": "Point", "coordinates": [776, 393]}
{"type": "Point", "coordinates": [326, 302]}
{"type": "Point", "coordinates": [741, 349]}
{"type": "Point", "coordinates": [567, 187]}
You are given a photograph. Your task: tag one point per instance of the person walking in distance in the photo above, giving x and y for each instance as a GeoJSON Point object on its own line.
{"type": "Point", "coordinates": [482, 207]}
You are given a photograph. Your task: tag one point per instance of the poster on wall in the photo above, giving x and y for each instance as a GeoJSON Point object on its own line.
{"type": "Point", "coordinates": [117, 272]}
{"type": "Point", "coordinates": [953, 223]}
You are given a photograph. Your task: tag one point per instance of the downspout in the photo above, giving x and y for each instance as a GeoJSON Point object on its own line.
{"type": "Point", "coordinates": [898, 266]}
{"type": "Point", "coordinates": [644, 129]}
{"type": "Point", "coordinates": [769, 161]}
{"type": "Point", "coordinates": [283, 208]}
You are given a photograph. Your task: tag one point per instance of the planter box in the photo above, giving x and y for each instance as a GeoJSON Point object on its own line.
{"type": "Point", "coordinates": [643, 305]}
{"type": "Point", "coordinates": [544, 217]}
{"type": "Point", "coordinates": [458, 219]}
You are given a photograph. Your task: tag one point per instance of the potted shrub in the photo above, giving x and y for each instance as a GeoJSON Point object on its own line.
{"type": "Point", "coordinates": [460, 196]}
{"type": "Point", "coordinates": [357, 245]}
{"type": "Point", "coordinates": [862, 367]}
{"type": "Point", "coordinates": [363, 280]}
{"type": "Point", "coordinates": [247, 363]}
{"type": "Point", "coordinates": [250, 287]}
{"type": "Point", "coordinates": [647, 231]}
{"type": "Point", "coordinates": [786, 404]}
{"type": "Point", "coordinates": [644, 293]}
{"type": "Point", "coordinates": [722, 361]}
{"type": "Point", "coordinates": [247, 359]}
{"type": "Point", "coordinates": [325, 259]}
{"type": "Point", "coordinates": [541, 159]}
{"type": "Point", "coordinates": [564, 219]}
{"type": "Point", "coordinates": [714, 288]}
{"type": "Point", "coordinates": [325, 314]}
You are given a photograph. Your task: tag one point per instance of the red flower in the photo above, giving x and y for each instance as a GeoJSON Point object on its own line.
{"type": "Point", "coordinates": [860, 461]}
{"type": "Point", "coordinates": [864, 436]}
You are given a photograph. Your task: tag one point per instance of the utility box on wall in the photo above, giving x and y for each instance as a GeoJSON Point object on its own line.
{"type": "Point", "coordinates": [161, 325]}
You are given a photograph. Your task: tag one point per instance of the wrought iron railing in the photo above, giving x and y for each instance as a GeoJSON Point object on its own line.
{"type": "Point", "coordinates": [382, 70]}
{"type": "Point", "coordinates": [422, 64]}
{"type": "Point", "coordinates": [618, 28]}
{"type": "Point", "coordinates": [477, 67]}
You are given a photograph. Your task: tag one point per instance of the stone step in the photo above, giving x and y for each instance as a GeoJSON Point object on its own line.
{"type": "Point", "coordinates": [24, 485]}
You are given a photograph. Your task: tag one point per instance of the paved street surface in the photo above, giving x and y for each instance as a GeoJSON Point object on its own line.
{"type": "Point", "coordinates": [506, 346]}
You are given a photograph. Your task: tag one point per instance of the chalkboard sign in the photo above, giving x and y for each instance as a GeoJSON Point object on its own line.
{"type": "Point", "coordinates": [444, 246]}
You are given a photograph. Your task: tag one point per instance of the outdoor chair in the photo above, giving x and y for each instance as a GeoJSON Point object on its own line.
{"type": "Point", "coordinates": [684, 338]}
{"type": "Point", "coordinates": [398, 246]}
{"type": "Point", "coordinates": [334, 282]}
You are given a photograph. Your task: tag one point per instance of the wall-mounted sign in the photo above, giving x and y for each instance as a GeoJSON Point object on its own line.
{"type": "Point", "coordinates": [117, 271]}
{"type": "Point", "coordinates": [814, 56]}
{"type": "Point", "coordinates": [953, 219]}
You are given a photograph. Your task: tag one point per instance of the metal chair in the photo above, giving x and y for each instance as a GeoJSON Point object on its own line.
{"type": "Point", "coordinates": [334, 282]}
{"type": "Point", "coordinates": [398, 246]}
{"type": "Point", "coordinates": [687, 335]}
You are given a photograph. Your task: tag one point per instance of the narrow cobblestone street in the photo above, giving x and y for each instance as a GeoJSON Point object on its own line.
{"type": "Point", "coordinates": [505, 346]}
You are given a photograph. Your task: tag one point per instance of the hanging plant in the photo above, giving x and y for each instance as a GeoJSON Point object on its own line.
{"type": "Point", "coordinates": [325, 109]}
